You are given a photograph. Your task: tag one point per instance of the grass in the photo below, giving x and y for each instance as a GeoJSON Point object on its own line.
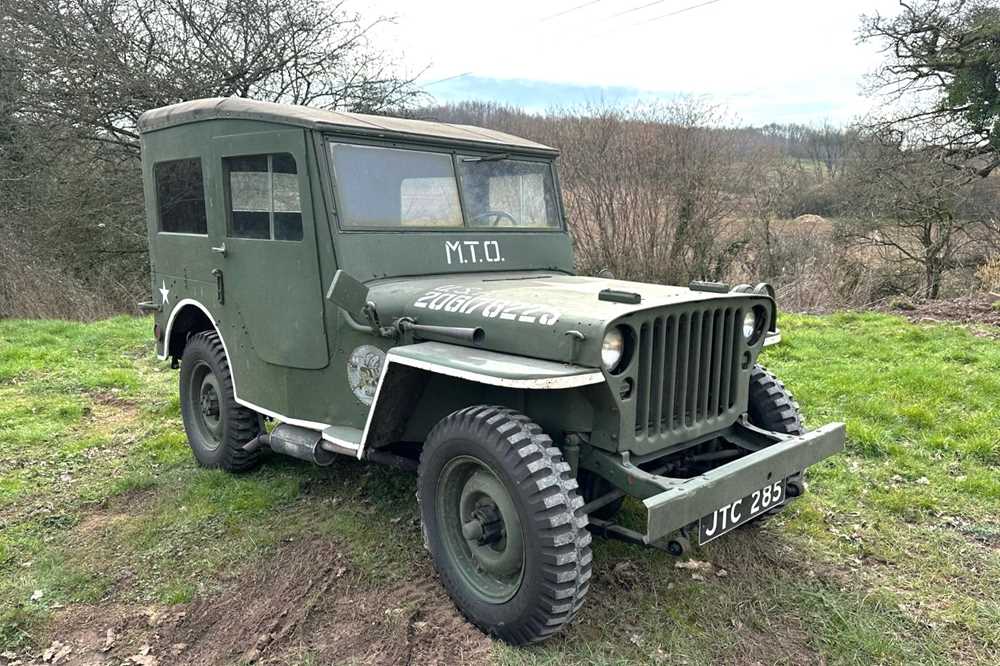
{"type": "Point", "coordinates": [893, 557]}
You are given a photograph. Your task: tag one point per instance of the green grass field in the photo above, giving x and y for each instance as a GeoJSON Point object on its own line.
{"type": "Point", "coordinates": [892, 557]}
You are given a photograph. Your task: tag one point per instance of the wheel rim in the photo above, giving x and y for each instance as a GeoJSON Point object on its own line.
{"type": "Point", "coordinates": [206, 405]}
{"type": "Point", "coordinates": [481, 529]}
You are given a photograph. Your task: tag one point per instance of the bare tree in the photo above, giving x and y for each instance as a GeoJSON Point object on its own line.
{"type": "Point", "coordinates": [772, 193]}
{"type": "Point", "coordinates": [96, 65]}
{"type": "Point", "coordinates": [913, 210]}
{"type": "Point", "coordinates": [941, 78]}
{"type": "Point", "coordinates": [652, 191]}
{"type": "Point", "coordinates": [74, 77]}
{"type": "Point", "coordinates": [829, 147]}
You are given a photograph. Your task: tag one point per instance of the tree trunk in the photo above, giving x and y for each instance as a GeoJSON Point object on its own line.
{"type": "Point", "coordinates": [933, 272]}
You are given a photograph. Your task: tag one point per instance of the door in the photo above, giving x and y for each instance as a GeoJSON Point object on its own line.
{"type": "Point", "coordinates": [266, 247]}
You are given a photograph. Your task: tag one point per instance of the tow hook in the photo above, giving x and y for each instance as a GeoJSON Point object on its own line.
{"type": "Point", "coordinates": [679, 544]}
{"type": "Point", "coordinates": [795, 486]}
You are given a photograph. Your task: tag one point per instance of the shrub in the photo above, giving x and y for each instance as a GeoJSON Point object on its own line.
{"type": "Point", "coordinates": [989, 274]}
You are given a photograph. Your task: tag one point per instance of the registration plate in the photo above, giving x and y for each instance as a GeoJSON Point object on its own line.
{"type": "Point", "coordinates": [729, 517]}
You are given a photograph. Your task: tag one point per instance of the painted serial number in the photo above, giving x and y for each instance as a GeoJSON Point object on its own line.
{"type": "Point", "coordinates": [473, 301]}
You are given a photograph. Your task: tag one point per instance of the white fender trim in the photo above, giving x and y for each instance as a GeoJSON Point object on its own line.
{"type": "Point", "coordinates": [313, 425]}
{"type": "Point", "coordinates": [574, 381]}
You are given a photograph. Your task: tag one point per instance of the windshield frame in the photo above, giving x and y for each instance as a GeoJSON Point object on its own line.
{"type": "Point", "coordinates": [456, 153]}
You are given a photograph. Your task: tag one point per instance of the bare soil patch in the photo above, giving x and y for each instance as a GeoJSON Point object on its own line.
{"type": "Point", "coordinates": [976, 309]}
{"type": "Point", "coordinates": [113, 412]}
{"type": "Point", "coordinates": [307, 600]}
{"type": "Point", "coordinates": [112, 399]}
{"type": "Point", "coordinates": [104, 515]}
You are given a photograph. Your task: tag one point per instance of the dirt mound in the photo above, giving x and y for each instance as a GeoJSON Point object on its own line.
{"type": "Point", "coordinates": [813, 220]}
{"type": "Point", "coordinates": [306, 603]}
{"type": "Point", "coordinates": [965, 310]}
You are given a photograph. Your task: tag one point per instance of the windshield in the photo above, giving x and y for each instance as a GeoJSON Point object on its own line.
{"type": "Point", "coordinates": [508, 193]}
{"type": "Point", "coordinates": [392, 188]}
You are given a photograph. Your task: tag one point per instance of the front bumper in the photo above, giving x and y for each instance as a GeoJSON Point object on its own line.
{"type": "Point", "coordinates": [687, 500]}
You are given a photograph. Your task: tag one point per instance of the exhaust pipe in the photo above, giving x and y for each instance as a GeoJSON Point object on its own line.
{"type": "Point", "coordinates": [296, 442]}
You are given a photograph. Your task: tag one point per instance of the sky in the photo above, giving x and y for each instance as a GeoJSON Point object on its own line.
{"type": "Point", "coordinates": [785, 61]}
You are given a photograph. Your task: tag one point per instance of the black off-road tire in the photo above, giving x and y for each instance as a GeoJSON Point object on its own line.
{"type": "Point", "coordinates": [237, 424]}
{"type": "Point", "coordinates": [556, 568]}
{"type": "Point", "coordinates": [773, 407]}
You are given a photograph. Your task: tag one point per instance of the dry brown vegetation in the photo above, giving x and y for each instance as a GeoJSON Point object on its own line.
{"type": "Point", "coordinates": [834, 218]}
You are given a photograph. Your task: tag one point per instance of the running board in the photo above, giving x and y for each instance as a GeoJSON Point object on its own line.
{"type": "Point", "coordinates": [343, 440]}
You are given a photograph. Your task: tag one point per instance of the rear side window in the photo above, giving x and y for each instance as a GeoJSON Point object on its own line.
{"type": "Point", "coordinates": [180, 196]}
{"type": "Point", "coordinates": [264, 200]}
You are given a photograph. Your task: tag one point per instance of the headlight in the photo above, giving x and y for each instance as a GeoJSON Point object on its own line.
{"type": "Point", "coordinates": [749, 324]}
{"type": "Point", "coordinates": [612, 349]}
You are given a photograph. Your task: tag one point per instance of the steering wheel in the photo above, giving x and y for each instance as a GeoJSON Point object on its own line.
{"type": "Point", "coordinates": [491, 218]}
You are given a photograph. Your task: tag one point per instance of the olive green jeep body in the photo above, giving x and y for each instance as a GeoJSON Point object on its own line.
{"type": "Point", "coordinates": [402, 291]}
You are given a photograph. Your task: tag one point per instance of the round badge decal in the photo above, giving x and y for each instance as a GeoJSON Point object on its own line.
{"type": "Point", "coordinates": [363, 370]}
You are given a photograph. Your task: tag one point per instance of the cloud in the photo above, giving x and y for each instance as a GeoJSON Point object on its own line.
{"type": "Point", "coordinates": [771, 60]}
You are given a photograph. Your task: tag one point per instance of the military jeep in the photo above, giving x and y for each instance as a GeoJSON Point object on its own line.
{"type": "Point", "coordinates": [401, 291]}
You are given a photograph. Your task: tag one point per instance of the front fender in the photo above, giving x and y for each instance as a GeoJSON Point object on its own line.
{"type": "Point", "coordinates": [406, 367]}
{"type": "Point", "coordinates": [493, 368]}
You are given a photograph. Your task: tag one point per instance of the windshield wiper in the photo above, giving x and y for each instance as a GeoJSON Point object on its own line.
{"type": "Point", "coordinates": [487, 158]}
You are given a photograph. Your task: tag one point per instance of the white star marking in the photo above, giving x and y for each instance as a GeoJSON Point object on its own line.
{"type": "Point", "coordinates": [165, 293]}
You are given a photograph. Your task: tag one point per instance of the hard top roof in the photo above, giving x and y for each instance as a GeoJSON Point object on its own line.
{"type": "Point", "coordinates": [217, 108]}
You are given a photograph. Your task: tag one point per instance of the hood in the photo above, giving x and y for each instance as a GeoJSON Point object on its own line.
{"type": "Point", "coordinates": [536, 314]}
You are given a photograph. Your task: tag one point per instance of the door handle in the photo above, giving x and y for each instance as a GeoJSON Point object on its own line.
{"type": "Point", "coordinates": [221, 249]}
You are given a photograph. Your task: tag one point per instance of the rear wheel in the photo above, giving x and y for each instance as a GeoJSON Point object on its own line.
{"type": "Point", "coordinates": [217, 426]}
{"type": "Point", "coordinates": [502, 521]}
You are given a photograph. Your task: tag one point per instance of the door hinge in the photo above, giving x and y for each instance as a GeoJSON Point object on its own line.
{"type": "Point", "coordinates": [220, 288]}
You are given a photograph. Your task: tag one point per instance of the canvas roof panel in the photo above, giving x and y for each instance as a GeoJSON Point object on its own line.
{"type": "Point", "coordinates": [322, 119]}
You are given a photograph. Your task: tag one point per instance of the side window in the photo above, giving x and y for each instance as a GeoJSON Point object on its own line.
{"type": "Point", "coordinates": [264, 198]}
{"type": "Point", "coordinates": [180, 196]}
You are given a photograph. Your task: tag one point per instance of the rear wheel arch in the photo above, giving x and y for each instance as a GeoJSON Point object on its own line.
{"type": "Point", "coordinates": [187, 319]}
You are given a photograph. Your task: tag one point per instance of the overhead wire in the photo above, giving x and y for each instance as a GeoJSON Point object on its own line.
{"type": "Point", "coordinates": [675, 12]}
{"type": "Point", "coordinates": [584, 5]}
{"type": "Point", "coordinates": [678, 11]}
{"type": "Point", "coordinates": [447, 78]}
{"type": "Point", "coordinates": [569, 11]}
{"type": "Point", "coordinates": [636, 9]}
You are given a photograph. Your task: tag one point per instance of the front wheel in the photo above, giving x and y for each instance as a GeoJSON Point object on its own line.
{"type": "Point", "coordinates": [503, 523]}
{"type": "Point", "coordinates": [771, 406]}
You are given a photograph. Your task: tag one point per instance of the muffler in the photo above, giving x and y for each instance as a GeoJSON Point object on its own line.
{"type": "Point", "coordinates": [296, 442]}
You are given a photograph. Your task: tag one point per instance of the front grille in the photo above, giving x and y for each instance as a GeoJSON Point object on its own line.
{"type": "Point", "coordinates": [688, 370]}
